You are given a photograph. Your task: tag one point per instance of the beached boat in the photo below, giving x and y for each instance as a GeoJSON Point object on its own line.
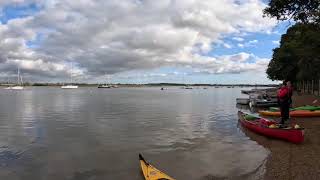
{"type": "Point", "coordinates": [19, 85]}
{"type": "Point", "coordinates": [244, 101]}
{"type": "Point", "coordinates": [293, 113]}
{"type": "Point", "coordinates": [270, 128]}
{"type": "Point", "coordinates": [306, 107]}
{"type": "Point", "coordinates": [150, 172]}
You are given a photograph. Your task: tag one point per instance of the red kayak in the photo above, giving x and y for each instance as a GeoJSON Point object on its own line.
{"type": "Point", "coordinates": [271, 129]}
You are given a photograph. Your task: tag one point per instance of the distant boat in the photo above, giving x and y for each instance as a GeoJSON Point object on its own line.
{"type": "Point", "coordinates": [104, 86]}
{"type": "Point", "coordinates": [108, 84]}
{"type": "Point", "coordinates": [70, 86]}
{"type": "Point", "coordinates": [188, 87]}
{"type": "Point", "coordinates": [19, 86]}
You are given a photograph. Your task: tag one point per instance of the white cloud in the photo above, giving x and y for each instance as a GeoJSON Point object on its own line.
{"type": "Point", "coordinates": [250, 43]}
{"type": "Point", "coordinates": [238, 39]}
{"type": "Point", "coordinates": [107, 37]}
{"type": "Point", "coordinates": [276, 42]}
{"type": "Point", "coordinates": [240, 45]}
{"type": "Point", "coordinates": [226, 45]}
{"type": "Point", "coordinates": [253, 41]}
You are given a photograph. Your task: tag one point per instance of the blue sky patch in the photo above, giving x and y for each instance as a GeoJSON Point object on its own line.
{"type": "Point", "coordinates": [13, 12]}
{"type": "Point", "coordinates": [259, 44]}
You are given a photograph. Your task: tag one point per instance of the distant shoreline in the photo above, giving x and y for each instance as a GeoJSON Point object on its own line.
{"type": "Point", "coordinates": [146, 85]}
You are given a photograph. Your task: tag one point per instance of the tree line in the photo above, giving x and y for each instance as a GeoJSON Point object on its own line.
{"type": "Point", "coordinates": [298, 56]}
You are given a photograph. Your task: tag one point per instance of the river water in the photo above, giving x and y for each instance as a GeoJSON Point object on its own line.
{"type": "Point", "coordinates": [48, 133]}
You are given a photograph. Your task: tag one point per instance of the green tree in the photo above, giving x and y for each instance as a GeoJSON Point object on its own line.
{"type": "Point", "coordinates": [298, 57]}
{"type": "Point", "coordinates": [303, 11]}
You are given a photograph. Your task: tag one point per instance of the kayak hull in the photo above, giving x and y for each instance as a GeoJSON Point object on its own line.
{"type": "Point", "coordinates": [291, 135]}
{"type": "Point", "coordinates": [297, 113]}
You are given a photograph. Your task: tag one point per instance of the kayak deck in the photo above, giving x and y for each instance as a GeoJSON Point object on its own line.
{"type": "Point", "coordinates": [150, 172]}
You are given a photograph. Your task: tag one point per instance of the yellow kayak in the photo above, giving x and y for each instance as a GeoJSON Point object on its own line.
{"type": "Point", "coordinates": [152, 173]}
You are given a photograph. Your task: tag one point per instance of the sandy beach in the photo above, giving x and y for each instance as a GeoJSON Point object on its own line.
{"type": "Point", "coordinates": [291, 161]}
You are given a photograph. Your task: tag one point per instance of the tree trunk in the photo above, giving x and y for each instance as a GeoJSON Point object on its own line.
{"type": "Point", "coordinates": [312, 87]}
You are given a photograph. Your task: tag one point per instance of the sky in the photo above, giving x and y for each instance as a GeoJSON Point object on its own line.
{"type": "Point", "coordinates": [137, 41]}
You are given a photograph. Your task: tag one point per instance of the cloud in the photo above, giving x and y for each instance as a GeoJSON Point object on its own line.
{"type": "Point", "coordinates": [226, 45]}
{"type": "Point", "coordinates": [238, 39]}
{"type": "Point", "coordinates": [240, 45]}
{"type": "Point", "coordinates": [276, 43]}
{"type": "Point", "coordinates": [250, 43]}
{"type": "Point", "coordinates": [109, 37]}
{"type": "Point", "coordinates": [253, 41]}
{"type": "Point", "coordinates": [236, 63]}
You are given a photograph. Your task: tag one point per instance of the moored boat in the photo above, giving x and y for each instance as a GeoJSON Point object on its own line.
{"type": "Point", "coordinates": [243, 101]}
{"type": "Point", "coordinates": [262, 100]}
{"type": "Point", "coordinates": [104, 86]}
{"type": "Point", "coordinates": [19, 86]}
{"type": "Point", "coordinates": [150, 172]}
{"type": "Point", "coordinates": [14, 88]}
{"type": "Point", "coordinates": [270, 128]}
{"type": "Point", "coordinates": [69, 87]}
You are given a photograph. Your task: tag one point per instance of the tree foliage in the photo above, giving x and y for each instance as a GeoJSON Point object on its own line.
{"type": "Point", "coordinates": [298, 57]}
{"type": "Point", "coordinates": [303, 11]}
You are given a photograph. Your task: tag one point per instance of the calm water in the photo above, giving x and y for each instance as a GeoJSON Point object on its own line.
{"type": "Point", "coordinates": [96, 134]}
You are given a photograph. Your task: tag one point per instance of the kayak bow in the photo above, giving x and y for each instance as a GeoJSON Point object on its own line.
{"type": "Point", "coordinates": [150, 172]}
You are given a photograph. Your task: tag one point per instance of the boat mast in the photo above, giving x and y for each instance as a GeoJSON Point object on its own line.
{"type": "Point", "coordinates": [71, 72]}
{"type": "Point", "coordinates": [18, 76]}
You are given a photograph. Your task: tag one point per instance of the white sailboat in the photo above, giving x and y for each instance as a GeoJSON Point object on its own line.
{"type": "Point", "coordinates": [19, 86]}
{"type": "Point", "coordinates": [107, 84]}
{"type": "Point", "coordinates": [70, 86]}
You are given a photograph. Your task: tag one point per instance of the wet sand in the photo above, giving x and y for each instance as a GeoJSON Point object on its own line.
{"type": "Point", "coordinates": [291, 161]}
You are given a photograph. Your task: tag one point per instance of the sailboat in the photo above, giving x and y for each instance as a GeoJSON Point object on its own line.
{"type": "Point", "coordinates": [70, 86]}
{"type": "Point", "coordinates": [19, 85]}
{"type": "Point", "coordinates": [107, 85]}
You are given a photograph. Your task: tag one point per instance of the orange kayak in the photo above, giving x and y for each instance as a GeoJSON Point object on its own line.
{"type": "Point", "coordinates": [297, 113]}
